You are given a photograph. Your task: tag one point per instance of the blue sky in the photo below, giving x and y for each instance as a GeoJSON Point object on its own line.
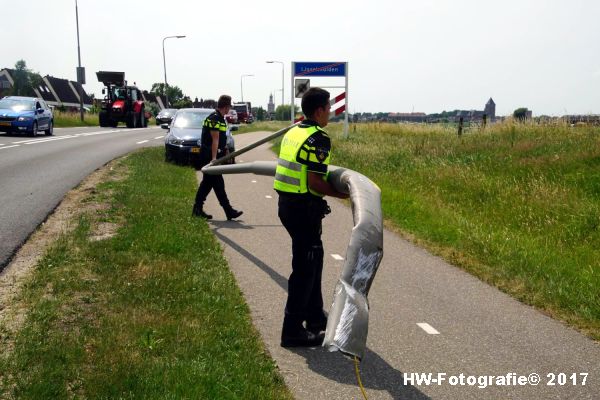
{"type": "Point", "coordinates": [426, 56]}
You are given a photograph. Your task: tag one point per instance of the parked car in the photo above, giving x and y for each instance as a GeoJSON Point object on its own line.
{"type": "Point", "coordinates": [165, 116]}
{"type": "Point", "coordinates": [25, 114]}
{"type": "Point", "coordinates": [231, 117]}
{"type": "Point", "coordinates": [182, 142]}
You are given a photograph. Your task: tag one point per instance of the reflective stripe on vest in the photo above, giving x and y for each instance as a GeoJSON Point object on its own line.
{"type": "Point", "coordinates": [217, 126]}
{"type": "Point", "coordinates": [292, 176]}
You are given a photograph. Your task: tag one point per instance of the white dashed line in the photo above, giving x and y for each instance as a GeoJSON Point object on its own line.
{"type": "Point", "coordinates": [337, 257]}
{"type": "Point", "coordinates": [98, 133]}
{"type": "Point", "coordinates": [159, 137]}
{"type": "Point", "coordinates": [53, 139]}
{"type": "Point", "coordinates": [269, 197]}
{"type": "Point", "coordinates": [253, 181]}
{"type": "Point", "coordinates": [428, 328]}
{"type": "Point", "coordinates": [8, 147]}
{"type": "Point", "coordinates": [143, 141]}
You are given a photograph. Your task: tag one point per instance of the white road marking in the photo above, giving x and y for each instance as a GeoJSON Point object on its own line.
{"type": "Point", "coordinates": [269, 197]}
{"type": "Point", "coordinates": [97, 133]}
{"type": "Point", "coordinates": [253, 181]}
{"type": "Point", "coordinates": [8, 147]}
{"type": "Point", "coordinates": [337, 257]}
{"type": "Point", "coordinates": [76, 135]}
{"type": "Point", "coordinates": [428, 328]}
{"type": "Point", "coordinates": [143, 141]}
{"type": "Point", "coordinates": [28, 140]}
{"type": "Point", "coordinates": [159, 137]}
{"type": "Point", "coordinates": [52, 139]}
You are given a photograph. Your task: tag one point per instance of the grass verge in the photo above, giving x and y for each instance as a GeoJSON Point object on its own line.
{"type": "Point", "coordinates": [63, 119]}
{"type": "Point", "coordinates": [149, 311]}
{"type": "Point", "coordinates": [517, 205]}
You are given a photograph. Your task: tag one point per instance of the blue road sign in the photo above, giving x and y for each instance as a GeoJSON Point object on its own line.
{"type": "Point", "coordinates": [319, 69]}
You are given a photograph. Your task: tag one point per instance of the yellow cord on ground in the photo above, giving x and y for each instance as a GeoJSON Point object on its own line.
{"type": "Point", "coordinates": [360, 385]}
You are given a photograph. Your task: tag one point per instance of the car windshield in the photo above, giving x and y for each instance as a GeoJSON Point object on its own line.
{"type": "Point", "coordinates": [168, 111]}
{"type": "Point", "coordinates": [189, 119]}
{"type": "Point", "coordinates": [240, 109]}
{"type": "Point", "coordinates": [17, 104]}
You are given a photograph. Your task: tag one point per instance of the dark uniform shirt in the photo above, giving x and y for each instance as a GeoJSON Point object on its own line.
{"type": "Point", "coordinates": [319, 144]}
{"type": "Point", "coordinates": [214, 121]}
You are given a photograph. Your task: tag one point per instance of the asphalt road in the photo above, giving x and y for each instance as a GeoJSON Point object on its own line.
{"type": "Point", "coordinates": [426, 316]}
{"type": "Point", "coordinates": [36, 173]}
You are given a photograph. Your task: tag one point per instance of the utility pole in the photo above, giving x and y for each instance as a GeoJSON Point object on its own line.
{"type": "Point", "coordinates": [80, 70]}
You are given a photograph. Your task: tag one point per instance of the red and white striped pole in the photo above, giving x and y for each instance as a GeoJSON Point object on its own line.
{"type": "Point", "coordinates": [332, 102]}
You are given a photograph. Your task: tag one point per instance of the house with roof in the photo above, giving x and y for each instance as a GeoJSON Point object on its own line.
{"type": "Point", "coordinates": [55, 91]}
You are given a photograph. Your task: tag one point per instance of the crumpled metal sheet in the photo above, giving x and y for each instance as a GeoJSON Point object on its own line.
{"type": "Point", "coordinates": [348, 322]}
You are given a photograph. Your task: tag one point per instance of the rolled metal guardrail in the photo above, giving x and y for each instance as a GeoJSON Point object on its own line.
{"type": "Point", "coordinates": [348, 321]}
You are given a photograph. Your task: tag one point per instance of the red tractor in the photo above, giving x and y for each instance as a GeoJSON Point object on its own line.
{"type": "Point", "coordinates": [121, 103]}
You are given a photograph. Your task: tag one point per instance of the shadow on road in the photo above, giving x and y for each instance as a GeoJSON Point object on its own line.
{"type": "Point", "coordinates": [277, 277]}
{"type": "Point", "coordinates": [375, 372]}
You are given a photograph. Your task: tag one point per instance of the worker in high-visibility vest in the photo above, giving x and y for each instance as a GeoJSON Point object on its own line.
{"type": "Point", "coordinates": [301, 181]}
{"type": "Point", "coordinates": [214, 145]}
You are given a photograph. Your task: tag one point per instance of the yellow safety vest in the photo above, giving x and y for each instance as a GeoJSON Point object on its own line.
{"type": "Point", "coordinates": [290, 175]}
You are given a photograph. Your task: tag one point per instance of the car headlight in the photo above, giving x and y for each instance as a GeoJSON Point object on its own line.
{"type": "Point", "coordinates": [21, 119]}
{"type": "Point", "coordinates": [175, 140]}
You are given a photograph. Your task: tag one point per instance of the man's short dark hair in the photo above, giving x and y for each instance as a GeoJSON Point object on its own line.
{"type": "Point", "coordinates": [224, 101]}
{"type": "Point", "coordinates": [314, 98]}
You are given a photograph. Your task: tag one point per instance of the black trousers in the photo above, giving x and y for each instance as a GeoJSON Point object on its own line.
{"type": "Point", "coordinates": [301, 217]}
{"type": "Point", "coordinates": [210, 182]}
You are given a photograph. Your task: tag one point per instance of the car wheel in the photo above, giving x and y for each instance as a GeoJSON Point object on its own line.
{"type": "Point", "coordinates": [34, 129]}
{"type": "Point", "coordinates": [103, 120]}
{"type": "Point", "coordinates": [50, 130]}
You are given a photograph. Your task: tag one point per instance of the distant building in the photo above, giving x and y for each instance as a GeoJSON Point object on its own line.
{"type": "Point", "coordinates": [271, 105]}
{"type": "Point", "coordinates": [408, 117]}
{"type": "Point", "coordinates": [489, 110]}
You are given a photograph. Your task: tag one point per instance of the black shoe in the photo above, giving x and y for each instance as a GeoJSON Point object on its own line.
{"type": "Point", "coordinates": [199, 212]}
{"type": "Point", "coordinates": [316, 327]}
{"type": "Point", "coordinates": [232, 214]}
{"type": "Point", "coordinates": [302, 338]}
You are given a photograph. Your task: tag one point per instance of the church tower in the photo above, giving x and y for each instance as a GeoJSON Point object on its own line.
{"type": "Point", "coordinates": [271, 105]}
{"type": "Point", "coordinates": [490, 110]}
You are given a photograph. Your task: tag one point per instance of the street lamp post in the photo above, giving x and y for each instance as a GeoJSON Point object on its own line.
{"type": "Point", "coordinates": [165, 65]}
{"type": "Point", "coordinates": [279, 62]}
{"type": "Point", "coordinates": [242, 84]}
{"type": "Point", "coordinates": [80, 75]}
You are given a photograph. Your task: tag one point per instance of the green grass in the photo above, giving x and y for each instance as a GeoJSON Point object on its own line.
{"type": "Point", "coordinates": [262, 126]}
{"type": "Point", "coordinates": [153, 312]}
{"type": "Point", "coordinates": [517, 205]}
{"type": "Point", "coordinates": [63, 119]}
